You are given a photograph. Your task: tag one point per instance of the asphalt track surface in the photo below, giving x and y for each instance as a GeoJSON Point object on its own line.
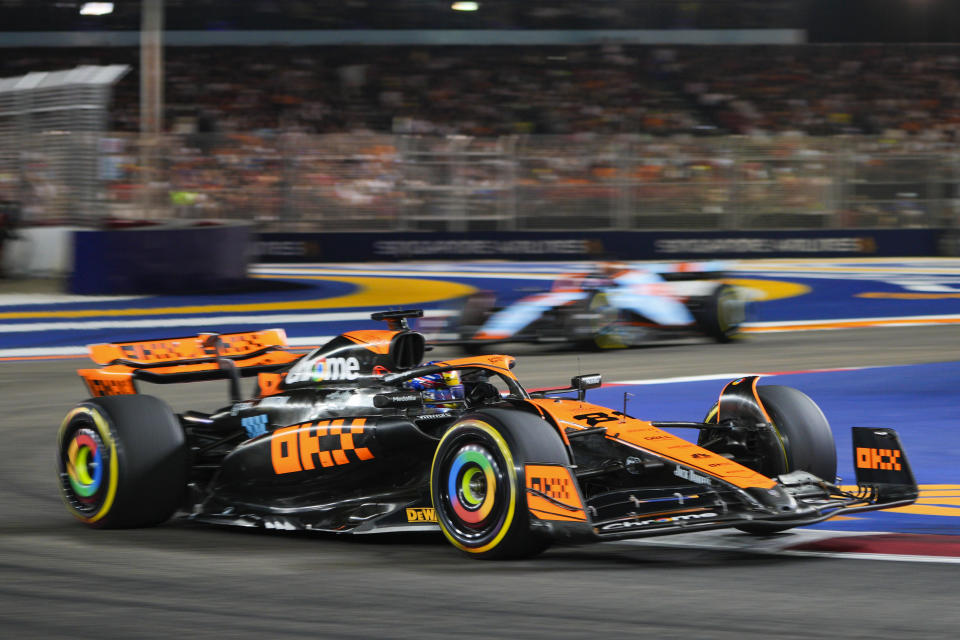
{"type": "Point", "coordinates": [60, 579]}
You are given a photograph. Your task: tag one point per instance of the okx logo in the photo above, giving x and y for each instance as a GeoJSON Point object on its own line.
{"type": "Point", "coordinates": [884, 459]}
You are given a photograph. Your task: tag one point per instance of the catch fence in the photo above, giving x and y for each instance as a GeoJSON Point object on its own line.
{"type": "Point", "coordinates": [52, 126]}
{"type": "Point", "coordinates": [298, 182]}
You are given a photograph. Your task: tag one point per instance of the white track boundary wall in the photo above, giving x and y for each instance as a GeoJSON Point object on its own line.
{"type": "Point", "coordinates": [39, 252]}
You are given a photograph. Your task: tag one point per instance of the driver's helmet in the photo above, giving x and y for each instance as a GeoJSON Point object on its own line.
{"type": "Point", "coordinates": [602, 274]}
{"type": "Point", "coordinates": [439, 390]}
{"type": "Point", "coordinates": [610, 269]}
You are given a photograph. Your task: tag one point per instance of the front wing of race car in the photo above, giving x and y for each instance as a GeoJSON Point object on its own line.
{"type": "Point", "coordinates": [884, 480]}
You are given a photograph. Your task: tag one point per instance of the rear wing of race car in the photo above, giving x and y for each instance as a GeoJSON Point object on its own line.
{"type": "Point", "coordinates": [206, 356]}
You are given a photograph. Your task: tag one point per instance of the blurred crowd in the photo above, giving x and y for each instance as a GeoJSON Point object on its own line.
{"type": "Point", "coordinates": [489, 91]}
{"type": "Point", "coordinates": [383, 182]}
{"type": "Point", "coordinates": [614, 129]}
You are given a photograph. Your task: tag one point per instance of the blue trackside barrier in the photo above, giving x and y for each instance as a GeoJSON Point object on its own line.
{"type": "Point", "coordinates": [161, 259]}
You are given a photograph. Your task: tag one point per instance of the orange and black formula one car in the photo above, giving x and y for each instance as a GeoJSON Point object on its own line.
{"type": "Point", "coordinates": [358, 436]}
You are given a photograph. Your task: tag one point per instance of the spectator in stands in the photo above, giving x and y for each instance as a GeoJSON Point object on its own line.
{"type": "Point", "coordinates": [489, 91]}
{"type": "Point", "coordinates": [658, 99]}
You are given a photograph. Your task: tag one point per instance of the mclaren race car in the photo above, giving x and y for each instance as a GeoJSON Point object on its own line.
{"type": "Point", "coordinates": [359, 436]}
{"type": "Point", "coordinates": [609, 306]}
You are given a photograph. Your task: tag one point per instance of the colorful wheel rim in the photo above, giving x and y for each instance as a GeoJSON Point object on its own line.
{"type": "Point", "coordinates": [472, 484]}
{"type": "Point", "coordinates": [475, 488]}
{"type": "Point", "coordinates": [87, 464]}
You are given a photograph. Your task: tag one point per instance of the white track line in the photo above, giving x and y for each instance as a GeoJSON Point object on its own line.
{"type": "Point", "coordinates": [27, 299]}
{"type": "Point", "coordinates": [197, 321]}
{"type": "Point", "coordinates": [726, 540]}
{"type": "Point", "coordinates": [517, 275]}
{"type": "Point", "coordinates": [724, 376]}
{"type": "Point", "coordinates": [872, 556]}
{"type": "Point", "coordinates": [82, 350]}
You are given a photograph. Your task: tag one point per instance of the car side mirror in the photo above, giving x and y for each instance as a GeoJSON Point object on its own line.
{"type": "Point", "coordinates": [582, 383]}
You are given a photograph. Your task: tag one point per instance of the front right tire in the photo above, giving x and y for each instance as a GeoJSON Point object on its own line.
{"type": "Point", "coordinates": [605, 325]}
{"type": "Point", "coordinates": [478, 486]}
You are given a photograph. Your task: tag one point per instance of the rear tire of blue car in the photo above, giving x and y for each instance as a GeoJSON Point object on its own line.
{"type": "Point", "coordinates": [478, 486]}
{"type": "Point", "coordinates": [122, 461]}
{"type": "Point", "coordinates": [720, 314]}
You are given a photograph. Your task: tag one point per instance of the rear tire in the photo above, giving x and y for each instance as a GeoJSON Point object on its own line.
{"type": "Point", "coordinates": [122, 461]}
{"type": "Point", "coordinates": [478, 486]}
{"type": "Point", "coordinates": [721, 314]}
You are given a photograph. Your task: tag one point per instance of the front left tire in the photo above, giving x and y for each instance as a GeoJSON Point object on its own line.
{"type": "Point", "coordinates": [801, 440]}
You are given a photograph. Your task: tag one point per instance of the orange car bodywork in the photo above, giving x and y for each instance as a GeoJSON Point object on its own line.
{"type": "Point", "coordinates": [194, 354]}
{"type": "Point", "coordinates": [553, 493]}
{"type": "Point", "coordinates": [178, 350]}
{"type": "Point", "coordinates": [640, 434]}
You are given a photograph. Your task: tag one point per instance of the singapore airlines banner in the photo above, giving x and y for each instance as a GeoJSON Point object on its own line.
{"type": "Point", "coordinates": [619, 245]}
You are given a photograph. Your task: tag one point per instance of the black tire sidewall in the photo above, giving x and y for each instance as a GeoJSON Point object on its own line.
{"type": "Point", "coordinates": [152, 461]}
{"type": "Point", "coordinates": [803, 430]}
{"type": "Point", "coordinates": [474, 312]}
{"type": "Point", "coordinates": [712, 319]}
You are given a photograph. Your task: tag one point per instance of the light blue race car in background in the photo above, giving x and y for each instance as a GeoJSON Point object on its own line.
{"type": "Point", "coordinates": [611, 306]}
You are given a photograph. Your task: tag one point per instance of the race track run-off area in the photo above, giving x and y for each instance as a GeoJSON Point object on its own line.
{"type": "Point", "coordinates": [874, 343]}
